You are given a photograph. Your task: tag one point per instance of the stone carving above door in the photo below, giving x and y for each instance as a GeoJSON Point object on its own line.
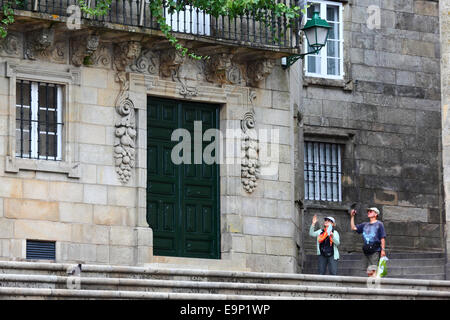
{"type": "Point", "coordinates": [220, 68]}
{"type": "Point", "coordinates": [83, 48]}
{"type": "Point", "coordinates": [258, 70]}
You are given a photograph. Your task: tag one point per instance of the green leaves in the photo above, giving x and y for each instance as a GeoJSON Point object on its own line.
{"type": "Point", "coordinates": [101, 8]}
{"type": "Point", "coordinates": [7, 18]}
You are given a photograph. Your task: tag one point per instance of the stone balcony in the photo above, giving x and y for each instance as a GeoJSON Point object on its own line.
{"type": "Point", "coordinates": [132, 21]}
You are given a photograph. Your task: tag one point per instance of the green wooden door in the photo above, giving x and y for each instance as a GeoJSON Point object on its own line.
{"type": "Point", "coordinates": [182, 200]}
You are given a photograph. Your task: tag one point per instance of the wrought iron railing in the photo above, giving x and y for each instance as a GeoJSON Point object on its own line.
{"type": "Point", "coordinates": [244, 29]}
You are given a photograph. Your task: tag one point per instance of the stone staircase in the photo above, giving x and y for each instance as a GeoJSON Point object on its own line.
{"type": "Point", "coordinates": [45, 280]}
{"type": "Point", "coordinates": [422, 265]}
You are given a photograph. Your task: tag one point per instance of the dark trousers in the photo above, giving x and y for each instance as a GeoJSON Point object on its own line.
{"type": "Point", "coordinates": [327, 261]}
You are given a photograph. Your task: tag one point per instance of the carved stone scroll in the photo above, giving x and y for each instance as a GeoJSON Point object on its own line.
{"type": "Point", "coordinates": [125, 132]}
{"type": "Point", "coordinates": [249, 146]}
{"type": "Point", "coordinates": [146, 63]}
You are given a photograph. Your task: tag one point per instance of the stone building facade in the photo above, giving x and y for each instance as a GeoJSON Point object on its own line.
{"type": "Point", "coordinates": [113, 92]}
{"type": "Point", "coordinates": [383, 109]}
{"type": "Point", "coordinates": [361, 124]}
{"type": "Point", "coordinates": [444, 9]}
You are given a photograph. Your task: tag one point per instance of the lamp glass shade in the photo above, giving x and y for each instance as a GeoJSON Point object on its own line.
{"type": "Point", "coordinates": [317, 36]}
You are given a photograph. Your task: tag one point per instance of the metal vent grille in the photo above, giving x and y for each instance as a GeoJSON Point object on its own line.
{"type": "Point", "coordinates": [44, 250]}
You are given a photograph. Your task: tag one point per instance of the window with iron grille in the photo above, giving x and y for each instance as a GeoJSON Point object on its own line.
{"type": "Point", "coordinates": [38, 120]}
{"type": "Point", "coordinates": [322, 171]}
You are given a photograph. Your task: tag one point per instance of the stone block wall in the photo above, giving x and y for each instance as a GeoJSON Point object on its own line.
{"type": "Point", "coordinates": [444, 9]}
{"type": "Point", "coordinates": [81, 203]}
{"type": "Point", "coordinates": [92, 217]}
{"type": "Point", "coordinates": [386, 113]}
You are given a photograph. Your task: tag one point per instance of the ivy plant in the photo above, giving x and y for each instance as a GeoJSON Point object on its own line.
{"type": "Point", "coordinates": [216, 8]}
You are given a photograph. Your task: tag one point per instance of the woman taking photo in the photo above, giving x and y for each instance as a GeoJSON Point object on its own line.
{"type": "Point", "coordinates": [327, 245]}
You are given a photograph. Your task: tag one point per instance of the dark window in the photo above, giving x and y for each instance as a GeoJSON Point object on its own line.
{"type": "Point", "coordinates": [44, 250]}
{"type": "Point", "coordinates": [38, 120]}
{"type": "Point", "coordinates": [322, 166]}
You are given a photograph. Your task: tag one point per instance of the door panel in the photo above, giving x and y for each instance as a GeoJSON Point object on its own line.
{"type": "Point", "coordinates": [182, 200]}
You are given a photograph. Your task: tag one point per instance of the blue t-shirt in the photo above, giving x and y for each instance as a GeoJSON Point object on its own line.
{"type": "Point", "coordinates": [372, 233]}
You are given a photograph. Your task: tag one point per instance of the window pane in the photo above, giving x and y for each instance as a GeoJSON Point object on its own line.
{"type": "Point", "coordinates": [314, 64]}
{"type": "Point", "coordinates": [47, 120]}
{"type": "Point", "coordinates": [333, 66]}
{"type": "Point", "coordinates": [334, 31]}
{"type": "Point", "coordinates": [22, 143]}
{"type": "Point", "coordinates": [332, 13]}
{"type": "Point", "coordinates": [23, 93]}
{"type": "Point", "coordinates": [47, 145]}
{"type": "Point", "coordinates": [333, 49]}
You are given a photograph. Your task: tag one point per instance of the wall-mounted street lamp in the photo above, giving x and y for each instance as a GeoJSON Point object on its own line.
{"type": "Point", "coordinates": [316, 31]}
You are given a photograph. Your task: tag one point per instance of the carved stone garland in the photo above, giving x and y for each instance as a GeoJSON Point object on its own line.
{"type": "Point", "coordinates": [125, 132]}
{"type": "Point", "coordinates": [249, 146]}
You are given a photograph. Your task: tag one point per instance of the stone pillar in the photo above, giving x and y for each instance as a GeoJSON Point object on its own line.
{"type": "Point", "coordinates": [445, 84]}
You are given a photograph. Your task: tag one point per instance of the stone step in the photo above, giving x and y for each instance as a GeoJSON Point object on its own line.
{"type": "Point", "coordinates": [392, 263]}
{"type": "Point", "coordinates": [53, 286]}
{"type": "Point", "coordinates": [151, 273]}
{"type": "Point", "coordinates": [394, 255]}
{"type": "Point", "coordinates": [438, 276]}
{"type": "Point", "coordinates": [392, 271]}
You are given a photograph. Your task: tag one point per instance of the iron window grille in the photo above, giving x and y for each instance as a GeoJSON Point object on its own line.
{"type": "Point", "coordinates": [322, 167]}
{"type": "Point", "coordinates": [38, 120]}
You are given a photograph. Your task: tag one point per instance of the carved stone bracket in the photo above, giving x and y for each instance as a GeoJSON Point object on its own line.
{"type": "Point", "coordinates": [39, 42]}
{"type": "Point", "coordinates": [125, 132]}
{"type": "Point", "coordinates": [170, 63]}
{"type": "Point", "coordinates": [83, 47]}
{"type": "Point", "coordinates": [10, 45]}
{"type": "Point", "coordinates": [258, 70]}
{"type": "Point", "coordinates": [250, 150]}
{"type": "Point", "coordinates": [220, 68]}
{"type": "Point", "coordinates": [125, 53]}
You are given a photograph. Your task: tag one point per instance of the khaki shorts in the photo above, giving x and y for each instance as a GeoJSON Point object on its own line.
{"type": "Point", "coordinates": [372, 259]}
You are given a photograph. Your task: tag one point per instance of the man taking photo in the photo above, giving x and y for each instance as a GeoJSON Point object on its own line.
{"type": "Point", "coordinates": [374, 236]}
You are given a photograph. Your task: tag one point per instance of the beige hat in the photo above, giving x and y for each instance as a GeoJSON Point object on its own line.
{"type": "Point", "coordinates": [374, 209]}
{"type": "Point", "coordinates": [331, 219]}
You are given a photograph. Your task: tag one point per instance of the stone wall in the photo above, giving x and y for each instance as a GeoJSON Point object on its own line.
{"type": "Point", "coordinates": [386, 113]}
{"type": "Point", "coordinates": [444, 9]}
{"type": "Point", "coordinates": [96, 215]}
